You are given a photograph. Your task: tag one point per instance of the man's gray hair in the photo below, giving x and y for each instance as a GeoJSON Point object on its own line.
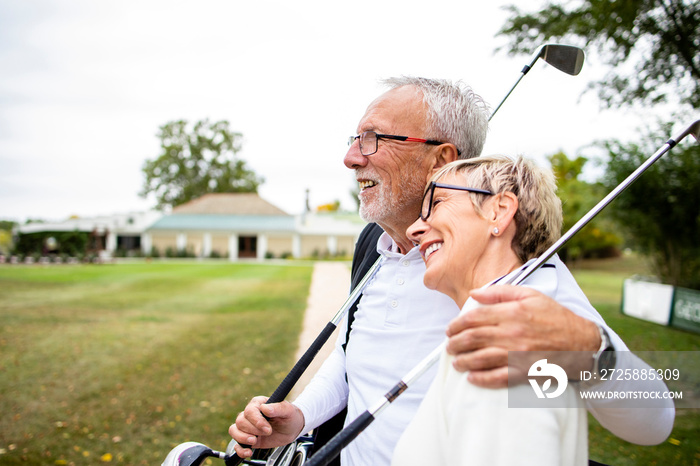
{"type": "Point", "coordinates": [456, 114]}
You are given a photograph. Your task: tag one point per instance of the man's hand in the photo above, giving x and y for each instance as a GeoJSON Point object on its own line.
{"type": "Point", "coordinates": [515, 318]}
{"type": "Point", "coordinates": [263, 425]}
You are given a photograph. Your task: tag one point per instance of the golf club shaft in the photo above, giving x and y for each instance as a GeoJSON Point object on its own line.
{"type": "Point", "coordinates": [343, 438]}
{"type": "Point", "coordinates": [298, 370]}
{"type": "Point", "coordinates": [523, 72]}
{"type": "Point", "coordinates": [331, 449]}
{"type": "Point", "coordinates": [692, 129]}
{"type": "Point", "coordinates": [305, 361]}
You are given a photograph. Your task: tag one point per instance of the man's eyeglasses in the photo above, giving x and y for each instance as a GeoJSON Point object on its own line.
{"type": "Point", "coordinates": [368, 141]}
{"type": "Point", "coordinates": [427, 207]}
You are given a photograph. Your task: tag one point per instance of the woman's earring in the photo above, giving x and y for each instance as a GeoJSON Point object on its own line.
{"type": "Point", "coordinates": [495, 231]}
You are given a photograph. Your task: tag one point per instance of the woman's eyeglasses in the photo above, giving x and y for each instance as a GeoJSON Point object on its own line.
{"type": "Point", "coordinates": [427, 206]}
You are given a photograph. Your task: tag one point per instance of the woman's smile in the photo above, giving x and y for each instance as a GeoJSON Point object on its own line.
{"type": "Point", "coordinates": [431, 249]}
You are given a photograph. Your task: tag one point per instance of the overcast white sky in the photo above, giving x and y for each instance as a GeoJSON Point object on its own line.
{"type": "Point", "coordinates": [85, 85]}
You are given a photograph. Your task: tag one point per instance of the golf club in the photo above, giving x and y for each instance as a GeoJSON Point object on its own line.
{"type": "Point", "coordinates": [563, 57]}
{"type": "Point", "coordinates": [288, 383]}
{"type": "Point", "coordinates": [190, 454]}
{"type": "Point", "coordinates": [693, 129]}
{"type": "Point", "coordinates": [566, 58]}
{"type": "Point", "coordinates": [349, 433]}
{"type": "Point", "coordinates": [194, 454]}
{"type": "Point", "coordinates": [297, 371]}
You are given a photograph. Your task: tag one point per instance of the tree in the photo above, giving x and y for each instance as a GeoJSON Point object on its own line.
{"type": "Point", "coordinates": [597, 239]}
{"type": "Point", "coordinates": [660, 39]}
{"type": "Point", "coordinates": [6, 241]}
{"type": "Point", "coordinates": [661, 210]}
{"type": "Point", "coordinates": [197, 161]}
{"type": "Point", "coordinates": [652, 48]}
{"type": "Point", "coordinates": [71, 243]}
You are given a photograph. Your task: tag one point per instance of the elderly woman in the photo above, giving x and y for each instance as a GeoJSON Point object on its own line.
{"type": "Point", "coordinates": [482, 220]}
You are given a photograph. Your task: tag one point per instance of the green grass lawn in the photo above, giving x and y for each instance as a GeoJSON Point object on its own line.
{"type": "Point", "coordinates": [117, 364]}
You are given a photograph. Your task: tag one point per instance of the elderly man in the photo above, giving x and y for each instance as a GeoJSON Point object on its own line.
{"type": "Point", "coordinates": [406, 134]}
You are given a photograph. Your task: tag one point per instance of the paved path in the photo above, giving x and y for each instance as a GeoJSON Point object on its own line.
{"type": "Point", "coordinates": [330, 285]}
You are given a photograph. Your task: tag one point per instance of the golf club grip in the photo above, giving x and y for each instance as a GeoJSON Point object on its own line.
{"type": "Point", "coordinates": [341, 440]}
{"type": "Point", "coordinates": [302, 364]}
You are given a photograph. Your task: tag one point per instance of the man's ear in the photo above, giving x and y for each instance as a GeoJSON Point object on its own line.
{"type": "Point", "coordinates": [446, 153]}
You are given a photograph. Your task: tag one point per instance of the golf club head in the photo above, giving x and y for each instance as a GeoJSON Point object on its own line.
{"type": "Point", "coordinates": [566, 58]}
{"type": "Point", "coordinates": [293, 454]}
{"type": "Point", "coordinates": [229, 449]}
{"type": "Point", "coordinates": [260, 456]}
{"type": "Point", "coordinates": [694, 129]}
{"type": "Point", "coordinates": [188, 454]}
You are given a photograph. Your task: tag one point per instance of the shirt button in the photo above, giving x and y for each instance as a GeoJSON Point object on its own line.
{"type": "Point", "coordinates": [400, 281]}
{"type": "Point", "coordinates": [394, 304]}
{"type": "Point", "coordinates": [406, 263]}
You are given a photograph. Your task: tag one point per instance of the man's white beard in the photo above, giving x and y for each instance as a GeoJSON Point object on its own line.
{"type": "Point", "coordinates": [384, 205]}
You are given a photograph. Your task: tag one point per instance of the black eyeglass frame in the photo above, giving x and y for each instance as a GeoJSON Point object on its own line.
{"type": "Point", "coordinates": [431, 189]}
{"type": "Point", "coordinates": [378, 136]}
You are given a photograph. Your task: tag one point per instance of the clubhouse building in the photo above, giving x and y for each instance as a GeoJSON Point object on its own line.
{"type": "Point", "coordinates": [223, 225]}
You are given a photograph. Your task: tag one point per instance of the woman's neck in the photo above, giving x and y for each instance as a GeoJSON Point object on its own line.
{"type": "Point", "coordinates": [484, 273]}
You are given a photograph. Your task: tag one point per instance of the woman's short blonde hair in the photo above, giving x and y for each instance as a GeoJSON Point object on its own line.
{"type": "Point", "coordinates": [538, 219]}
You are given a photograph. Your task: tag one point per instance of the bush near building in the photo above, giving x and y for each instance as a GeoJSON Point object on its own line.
{"type": "Point", "coordinates": [70, 243]}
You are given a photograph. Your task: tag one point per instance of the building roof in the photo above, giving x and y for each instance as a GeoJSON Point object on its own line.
{"type": "Point", "coordinates": [229, 204]}
{"type": "Point", "coordinates": [244, 212]}
{"type": "Point", "coordinates": [232, 212]}
{"type": "Point", "coordinates": [131, 223]}
{"type": "Point", "coordinates": [219, 222]}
